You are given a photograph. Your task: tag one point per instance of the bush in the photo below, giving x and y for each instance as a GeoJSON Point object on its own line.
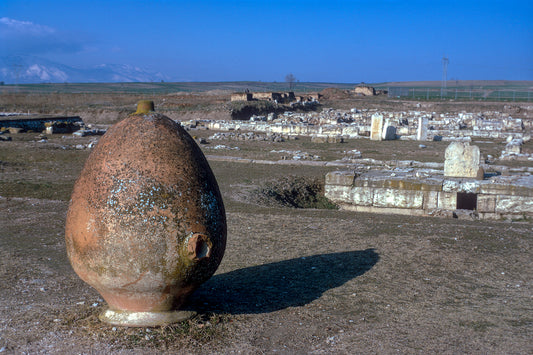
{"type": "Point", "coordinates": [295, 192]}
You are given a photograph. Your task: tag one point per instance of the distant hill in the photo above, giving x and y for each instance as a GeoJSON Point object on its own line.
{"type": "Point", "coordinates": [35, 70]}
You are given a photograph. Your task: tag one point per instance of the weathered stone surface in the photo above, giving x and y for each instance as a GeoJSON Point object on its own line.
{"type": "Point", "coordinates": [398, 198]}
{"type": "Point", "coordinates": [470, 186]}
{"type": "Point", "coordinates": [462, 160]}
{"type": "Point", "coordinates": [514, 146]}
{"type": "Point", "coordinates": [514, 204]}
{"type": "Point", "coordinates": [362, 196]}
{"type": "Point", "coordinates": [511, 187]}
{"type": "Point", "coordinates": [486, 203]}
{"type": "Point", "coordinates": [422, 130]}
{"type": "Point", "coordinates": [338, 193]}
{"type": "Point", "coordinates": [364, 90]}
{"type": "Point", "coordinates": [447, 200]}
{"type": "Point", "coordinates": [431, 200]}
{"type": "Point", "coordinates": [377, 127]}
{"type": "Point", "coordinates": [401, 183]}
{"type": "Point", "coordinates": [241, 96]}
{"type": "Point", "coordinates": [389, 132]}
{"type": "Point", "coordinates": [341, 178]}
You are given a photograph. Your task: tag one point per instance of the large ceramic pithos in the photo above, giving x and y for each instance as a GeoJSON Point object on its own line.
{"type": "Point", "coordinates": [146, 223]}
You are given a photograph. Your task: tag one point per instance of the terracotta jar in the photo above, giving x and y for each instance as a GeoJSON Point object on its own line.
{"type": "Point", "coordinates": [146, 222]}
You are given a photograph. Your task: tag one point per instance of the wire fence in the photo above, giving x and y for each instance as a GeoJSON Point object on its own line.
{"type": "Point", "coordinates": [461, 93]}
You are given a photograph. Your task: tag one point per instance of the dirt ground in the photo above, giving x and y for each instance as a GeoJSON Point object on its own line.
{"type": "Point", "coordinates": [293, 281]}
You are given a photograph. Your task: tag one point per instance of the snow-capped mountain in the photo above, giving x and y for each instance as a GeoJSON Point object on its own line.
{"type": "Point", "coordinates": [30, 69]}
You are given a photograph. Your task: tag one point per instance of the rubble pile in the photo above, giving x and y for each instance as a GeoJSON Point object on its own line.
{"type": "Point", "coordinates": [295, 155]}
{"type": "Point", "coordinates": [248, 136]}
{"type": "Point", "coordinates": [513, 149]}
{"type": "Point", "coordinates": [356, 123]}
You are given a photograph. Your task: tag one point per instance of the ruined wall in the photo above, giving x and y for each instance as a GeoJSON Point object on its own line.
{"type": "Point", "coordinates": [270, 96]}
{"type": "Point", "coordinates": [497, 197]}
{"type": "Point", "coordinates": [364, 90]}
{"type": "Point", "coordinates": [283, 97]}
{"type": "Point", "coordinates": [241, 96]}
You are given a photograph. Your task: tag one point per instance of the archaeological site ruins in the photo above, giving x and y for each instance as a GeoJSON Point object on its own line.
{"type": "Point", "coordinates": [350, 215]}
{"type": "Point", "coordinates": [465, 184]}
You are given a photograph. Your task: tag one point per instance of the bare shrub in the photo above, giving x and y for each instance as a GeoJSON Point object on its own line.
{"type": "Point", "coordinates": [293, 191]}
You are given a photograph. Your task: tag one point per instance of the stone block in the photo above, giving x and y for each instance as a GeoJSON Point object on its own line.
{"type": "Point", "coordinates": [422, 130]}
{"type": "Point", "coordinates": [447, 200]}
{"type": "Point", "coordinates": [486, 203]}
{"type": "Point", "coordinates": [470, 186]}
{"type": "Point", "coordinates": [377, 127]}
{"type": "Point", "coordinates": [514, 204]}
{"type": "Point", "coordinates": [462, 160]}
{"type": "Point", "coordinates": [364, 182]}
{"type": "Point", "coordinates": [403, 130]}
{"type": "Point", "coordinates": [398, 198]}
{"type": "Point", "coordinates": [389, 132]}
{"type": "Point", "coordinates": [362, 196]}
{"type": "Point", "coordinates": [319, 139]}
{"type": "Point", "coordinates": [514, 146]}
{"type": "Point", "coordinates": [340, 178]}
{"type": "Point", "coordinates": [408, 184]}
{"type": "Point", "coordinates": [431, 200]}
{"type": "Point", "coordinates": [506, 189]}
{"type": "Point", "coordinates": [338, 193]}
{"type": "Point", "coordinates": [450, 185]}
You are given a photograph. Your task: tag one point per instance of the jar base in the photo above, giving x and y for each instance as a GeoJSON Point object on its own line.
{"type": "Point", "coordinates": [144, 319]}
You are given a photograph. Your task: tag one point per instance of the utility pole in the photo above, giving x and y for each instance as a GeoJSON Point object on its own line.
{"type": "Point", "coordinates": [17, 68]}
{"type": "Point", "coordinates": [445, 62]}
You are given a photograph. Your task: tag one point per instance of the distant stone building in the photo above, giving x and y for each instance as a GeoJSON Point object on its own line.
{"type": "Point", "coordinates": [241, 96]}
{"type": "Point", "coordinates": [269, 96]}
{"type": "Point", "coordinates": [309, 97]}
{"type": "Point", "coordinates": [283, 97]}
{"type": "Point", "coordinates": [364, 90]}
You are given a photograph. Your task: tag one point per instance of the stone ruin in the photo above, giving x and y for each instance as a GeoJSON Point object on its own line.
{"type": "Point", "coordinates": [249, 136]}
{"type": "Point", "coordinates": [461, 183]}
{"type": "Point", "coordinates": [364, 90]}
{"type": "Point", "coordinates": [410, 125]}
{"type": "Point", "coordinates": [463, 160]}
{"type": "Point", "coordinates": [241, 96]}
{"type": "Point", "coordinates": [463, 186]}
{"type": "Point", "coordinates": [279, 97]}
{"type": "Point", "coordinates": [460, 190]}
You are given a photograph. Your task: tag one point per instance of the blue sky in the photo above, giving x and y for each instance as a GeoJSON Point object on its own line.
{"type": "Point", "coordinates": [327, 41]}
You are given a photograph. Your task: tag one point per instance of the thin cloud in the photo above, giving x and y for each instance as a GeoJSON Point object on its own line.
{"type": "Point", "coordinates": [25, 37]}
{"type": "Point", "coordinates": [15, 27]}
